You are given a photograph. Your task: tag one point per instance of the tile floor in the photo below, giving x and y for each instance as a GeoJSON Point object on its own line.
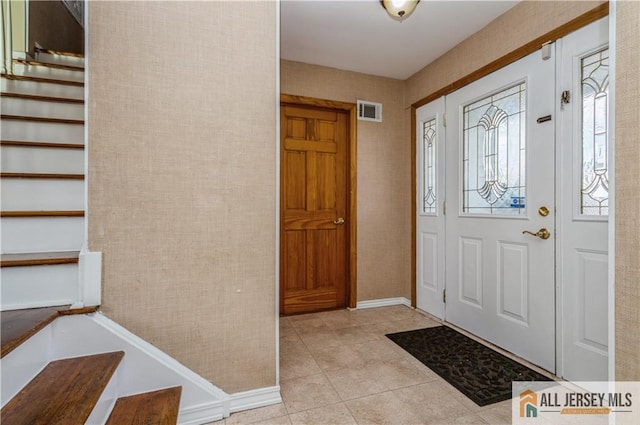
{"type": "Point", "coordinates": [338, 367]}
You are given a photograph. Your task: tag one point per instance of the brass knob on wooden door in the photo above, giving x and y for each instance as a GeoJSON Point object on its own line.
{"type": "Point", "coordinates": [340, 220]}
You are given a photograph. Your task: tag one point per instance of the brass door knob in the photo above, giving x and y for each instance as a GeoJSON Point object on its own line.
{"type": "Point", "coordinates": [542, 233]}
{"type": "Point", "coordinates": [340, 220]}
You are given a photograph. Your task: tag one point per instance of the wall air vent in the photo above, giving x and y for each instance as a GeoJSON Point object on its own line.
{"type": "Point", "coordinates": [369, 111]}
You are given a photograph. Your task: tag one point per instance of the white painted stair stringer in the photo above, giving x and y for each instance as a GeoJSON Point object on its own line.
{"type": "Point", "coordinates": [143, 368]}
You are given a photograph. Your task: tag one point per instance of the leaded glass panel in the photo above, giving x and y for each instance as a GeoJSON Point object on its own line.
{"type": "Point", "coordinates": [595, 107]}
{"type": "Point", "coordinates": [429, 167]}
{"type": "Point", "coordinates": [494, 154]}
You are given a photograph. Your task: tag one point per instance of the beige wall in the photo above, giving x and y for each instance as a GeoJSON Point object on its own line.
{"type": "Point", "coordinates": [627, 160]}
{"type": "Point", "coordinates": [383, 193]}
{"type": "Point", "coordinates": [53, 27]}
{"type": "Point", "coordinates": [182, 180]}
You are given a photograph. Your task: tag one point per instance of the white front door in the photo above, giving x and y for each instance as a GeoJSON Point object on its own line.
{"type": "Point", "coordinates": [500, 184]}
{"type": "Point", "coordinates": [583, 203]}
{"type": "Point", "coordinates": [430, 199]}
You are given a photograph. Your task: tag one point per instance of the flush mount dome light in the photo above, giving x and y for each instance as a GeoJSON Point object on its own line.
{"type": "Point", "coordinates": [399, 9]}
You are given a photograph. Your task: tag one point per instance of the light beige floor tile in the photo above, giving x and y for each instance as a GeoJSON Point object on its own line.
{"type": "Point", "coordinates": [220, 422]}
{"type": "Point", "coordinates": [320, 339]}
{"type": "Point", "coordinates": [418, 322]}
{"type": "Point", "coordinates": [307, 393]}
{"type": "Point", "coordinates": [431, 401]}
{"type": "Point", "coordinates": [310, 326]}
{"type": "Point", "coordinates": [256, 415]}
{"type": "Point", "coordinates": [288, 334]}
{"type": "Point", "coordinates": [463, 420]}
{"type": "Point", "coordinates": [379, 349]}
{"type": "Point", "coordinates": [499, 415]}
{"type": "Point", "coordinates": [370, 316]}
{"type": "Point", "coordinates": [334, 414]}
{"type": "Point", "coordinates": [355, 383]}
{"type": "Point", "coordinates": [292, 345]}
{"type": "Point", "coordinates": [280, 420]}
{"type": "Point", "coordinates": [354, 335]}
{"type": "Point", "coordinates": [339, 357]}
{"type": "Point", "coordinates": [284, 322]}
{"type": "Point", "coordinates": [297, 364]}
{"type": "Point", "coordinates": [339, 319]}
{"type": "Point", "coordinates": [398, 373]}
{"type": "Point", "coordinates": [381, 409]}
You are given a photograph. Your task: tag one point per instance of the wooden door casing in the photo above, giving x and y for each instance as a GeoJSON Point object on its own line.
{"type": "Point", "coordinates": [314, 256]}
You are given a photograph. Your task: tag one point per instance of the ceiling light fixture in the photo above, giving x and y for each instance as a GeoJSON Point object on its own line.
{"type": "Point", "coordinates": [399, 9]}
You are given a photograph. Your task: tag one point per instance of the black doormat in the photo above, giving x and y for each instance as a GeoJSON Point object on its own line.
{"type": "Point", "coordinates": [474, 369]}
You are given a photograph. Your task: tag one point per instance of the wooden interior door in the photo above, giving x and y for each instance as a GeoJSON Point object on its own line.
{"type": "Point", "coordinates": [314, 214]}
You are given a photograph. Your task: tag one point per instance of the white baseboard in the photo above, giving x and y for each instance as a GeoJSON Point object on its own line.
{"type": "Point", "coordinates": [254, 398]}
{"type": "Point", "coordinates": [90, 271]}
{"type": "Point", "coordinates": [384, 302]}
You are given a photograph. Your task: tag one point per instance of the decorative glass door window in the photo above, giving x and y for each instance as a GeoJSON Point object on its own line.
{"type": "Point", "coordinates": [594, 199]}
{"type": "Point", "coordinates": [494, 154]}
{"type": "Point", "coordinates": [429, 167]}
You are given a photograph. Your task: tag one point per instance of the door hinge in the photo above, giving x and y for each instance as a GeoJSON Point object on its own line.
{"type": "Point", "coordinates": [444, 120]}
{"type": "Point", "coordinates": [444, 208]}
{"type": "Point", "coordinates": [565, 98]}
{"type": "Point", "coordinates": [444, 296]}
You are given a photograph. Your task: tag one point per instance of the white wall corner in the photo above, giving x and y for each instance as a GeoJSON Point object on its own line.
{"type": "Point", "coordinates": [90, 278]}
{"type": "Point", "coordinates": [383, 302]}
{"type": "Point", "coordinates": [253, 399]}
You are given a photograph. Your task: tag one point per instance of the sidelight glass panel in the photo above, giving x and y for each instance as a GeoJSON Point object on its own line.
{"type": "Point", "coordinates": [494, 153]}
{"type": "Point", "coordinates": [594, 194]}
{"type": "Point", "coordinates": [429, 167]}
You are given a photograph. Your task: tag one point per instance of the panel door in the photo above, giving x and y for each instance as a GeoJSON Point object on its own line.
{"type": "Point", "coordinates": [583, 208]}
{"type": "Point", "coordinates": [500, 183]}
{"type": "Point", "coordinates": [314, 221]}
{"type": "Point", "coordinates": [430, 215]}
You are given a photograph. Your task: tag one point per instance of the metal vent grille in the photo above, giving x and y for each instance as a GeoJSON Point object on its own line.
{"type": "Point", "coordinates": [369, 111]}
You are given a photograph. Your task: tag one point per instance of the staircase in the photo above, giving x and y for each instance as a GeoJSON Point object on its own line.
{"type": "Point", "coordinates": [42, 181]}
{"type": "Point", "coordinates": [62, 362]}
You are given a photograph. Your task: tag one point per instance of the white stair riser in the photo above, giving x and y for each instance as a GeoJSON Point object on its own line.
{"type": "Point", "coordinates": [48, 72]}
{"type": "Point", "coordinates": [38, 108]}
{"type": "Point", "coordinates": [17, 159]}
{"type": "Point", "coordinates": [42, 195]}
{"type": "Point", "coordinates": [42, 131]}
{"type": "Point", "coordinates": [42, 234]}
{"type": "Point", "coordinates": [42, 89]}
{"type": "Point", "coordinates": [59, 59]}
{"type": "Point", "coordinates": [39, 286]}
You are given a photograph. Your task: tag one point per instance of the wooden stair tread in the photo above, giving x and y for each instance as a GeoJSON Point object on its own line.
{"type": "Point", "coordinates": [42, 98]}
{"type": "Point", "coordinates": [49, 65]}
{"type": "Point", "coordinates": [38, 258]}
{"type": "Point", "coordinates": [42, 80]}
{"type": "Point", "coordinates": [17, 326]}
{"type": "Point", "coordinates": [64, 392]}
{"type": "Point", "coordinates": [29, 144]}
{"type": "Point", "coordinates": [62, 176]}
{"type": "Point", "coordinates": [16, 214]}
{"type": "Point", "coordinates": [41, 119]}
{"type": "Point", "coordinates": [152, 408]}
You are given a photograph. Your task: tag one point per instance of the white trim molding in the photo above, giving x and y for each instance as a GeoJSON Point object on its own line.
{"type": "Point", "coordinates": [254, 398]}
{"type": "Point", "coordinates": [384, 302]}
{"type": "Point", "coordinates": [90, 278]}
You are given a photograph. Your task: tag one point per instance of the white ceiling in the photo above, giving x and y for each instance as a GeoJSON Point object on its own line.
{"type": "Point", "coordinates": [358, 35]}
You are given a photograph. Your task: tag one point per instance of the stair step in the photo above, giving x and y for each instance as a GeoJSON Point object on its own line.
{"type": "Point", "coordinates": [156, 407]}
{"type": "Point", "coordinates": [42, 106]}
{"type": "Point", "coordinates": [39, 259]}
{"type": "Point", "coordinates": [41, 234]}
{"type": "Point", "coordinates": [43, 80]}
{"type": "Point", "coordinates": [19, 325]}
{"type": "Point", "coordinates": [41, 119]}
{"type": "Point", "coordinates": [52, 72]}
{"type": "Point", "coordinates": [49, 65]}
{"type": "Point", "coordinates": [42, 213]}
{"type": "Point", "coordinates": [31, 194]}
{"type": "Point", "coordinates": [60, 58]}
{"type": "Point", "coordinates": [35, 97]}
{"type": "Point", "coordinates": [26, 144]}
{"type": "Point", "coordinates": [35, 131]}
{"type": "Point", "coordinates": [17, 159]}
{"type": "Point", "coordinates": [64, 393]}
{"type": "Point", "coordinates": [41, 88]}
